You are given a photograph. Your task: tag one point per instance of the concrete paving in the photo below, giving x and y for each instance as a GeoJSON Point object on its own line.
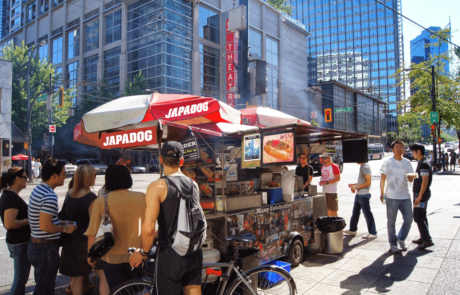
{"type": "Point", "coordinates": [365, 266]}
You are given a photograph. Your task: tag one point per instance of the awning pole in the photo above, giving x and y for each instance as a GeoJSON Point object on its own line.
{"type": "Point", "coordinates": [224, 177]}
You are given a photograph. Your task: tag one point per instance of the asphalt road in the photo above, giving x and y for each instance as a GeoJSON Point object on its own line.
{"type": "Point", "coordinates": [141, 181]}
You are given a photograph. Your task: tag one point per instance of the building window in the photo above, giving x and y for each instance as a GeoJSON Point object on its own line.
{"type": "Point", "coordinates": [43, 52]}
{"type": "Point", "coordinates": [210, 78]}
{"type": "Point", "coordinates": [112, 71]}
{"type": "Point", "coordinates": [90, 73]}
{"type": "Point", "coordinates": [57, 2]}
{"type": "Point", "coordinates": [72, 75]}
{"type": "Point", "coordinates": [15, 22]}
{"type": "Point", "coordinates": [31, 12]}
{"type": "Point", "coordinates": [272, 50]}
{"type": "Point", "coordinates": [15, 11]}
{"type": "Point", "coordinates": [58, 77]}
{"type": "Point", "coordinates": [92, 35]}
{"type": "Point", "coordinates": [44, 6]}
{"type": "Point", "coordinates": [113, 27]}
{"type": "Point", "coordinates": [57, 50]}
{"type": "Point", "coordinates": [209, 25]}
{"type": "Point", "coordinates": [73, 39]}
{"type": "Point", "coordinates": [6, 148]}
{"type": "Point", "coordinates": [255, 44]}
{"type": "Point", "coordinates": [273, 91]}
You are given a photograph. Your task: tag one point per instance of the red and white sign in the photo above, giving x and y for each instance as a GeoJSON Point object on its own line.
{"type": "Point", "coordinates": [231, 57]}
{"type": "Point", "coordinates": [314, 115]}
{"type": "Point", "coordinates": [129, 138]}
{"type": "Point", "coordinates": [180, 110]}
{"type": "Point", "coordinates": [52, 128]}
{"type": "Point", "coordinates": [230, 97]}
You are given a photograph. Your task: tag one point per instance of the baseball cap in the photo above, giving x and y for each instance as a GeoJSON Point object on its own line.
{"type": "Point", "coordinates": [172, 145]}
{"type": "Point", "coordinates": [325, 155]}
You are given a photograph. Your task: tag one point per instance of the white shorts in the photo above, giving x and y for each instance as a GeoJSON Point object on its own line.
{"type": "Point", "coordinates": [36, 173]}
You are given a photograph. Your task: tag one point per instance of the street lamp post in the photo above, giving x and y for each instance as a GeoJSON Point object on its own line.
{"type": "Point", "coordinates": [29, 132]}
{"type": "Point", "coordinates": [433, 106]}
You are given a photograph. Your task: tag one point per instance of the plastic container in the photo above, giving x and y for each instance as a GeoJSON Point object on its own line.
{"type": "Point", "coordinates": [332, 243]}
{"type": "Point", "coordinates": [273, 277]}
{"type": "Point", "coordinates": [274, 195]}
{"type": "Point", "coordinates": [330, 224]}
{"type": "Point", "coordinates": [210, 256]}
{"type": "Point", "coordinates": [315, 247]}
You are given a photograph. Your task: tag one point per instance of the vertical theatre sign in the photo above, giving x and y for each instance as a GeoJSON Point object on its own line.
{"type": "Point", "coordinates": [231, 58]}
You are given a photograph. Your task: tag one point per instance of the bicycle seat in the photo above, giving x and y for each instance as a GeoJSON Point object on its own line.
{"type": "Point", "coordinates": [244, 238]}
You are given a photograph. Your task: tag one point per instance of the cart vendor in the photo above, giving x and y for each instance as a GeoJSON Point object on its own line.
{"type": "Point", "coordinates": [302, 170]}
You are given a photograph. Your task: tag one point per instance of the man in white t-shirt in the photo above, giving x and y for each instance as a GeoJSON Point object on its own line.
{"type": "Point", "coordinates": [330, 176]}
{"type": "Point", "coordinates": [394, 171]}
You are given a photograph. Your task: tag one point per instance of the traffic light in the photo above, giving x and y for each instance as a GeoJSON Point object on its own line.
{"type": "Point", "coordinates": [327, 115]}
{"type": "Point", "coordinates": [439, 140]}
{"type": "Point", "coordinates": [61, 97]}
{"type": "Point", "coordinates": [261, 77]}
{"type": "Point", "coordinates": [433, 130]}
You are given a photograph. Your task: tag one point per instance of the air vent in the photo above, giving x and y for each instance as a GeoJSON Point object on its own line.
{"type": "Point", "coordinates": [43, 38]}
{"type": "Point", "coordinates": [111, 4]}
{"type": "Point", "coordinates": [92, 13]}
{"type": "Point", "coordinates": [73, 23]}
{"type": "Point", "coordinates": [56, 32]}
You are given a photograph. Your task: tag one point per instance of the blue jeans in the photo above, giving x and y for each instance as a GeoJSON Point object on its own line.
{"type": "Point", "coordinates": [21, 268]}
{"type": "Point", "coordinates": [45, 260]}
{"type": "Point", "coordinates": [405, 206]}
{"type": "Point", "coordinates": [362, 202]}
{"type": "Point", "coordinates": [119, 273]}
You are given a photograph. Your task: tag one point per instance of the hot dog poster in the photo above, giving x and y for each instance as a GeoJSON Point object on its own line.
{"type": "Point", "coordinates": [278, 148]}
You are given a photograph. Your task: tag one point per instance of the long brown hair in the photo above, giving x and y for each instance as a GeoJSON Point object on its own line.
{"type": "Point", "coordinates": [7, 179]}
{"type": "Point", "coordinates": [83, 178]}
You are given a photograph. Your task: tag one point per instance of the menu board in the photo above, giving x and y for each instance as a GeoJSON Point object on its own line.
{"type": "Point", "coordinates": [278, 148]}
{"type": "Point", "coordinates": [251, 151]}
{"type": "Point", "coordinates": [191, 149]}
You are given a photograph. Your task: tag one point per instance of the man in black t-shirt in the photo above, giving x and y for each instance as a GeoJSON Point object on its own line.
{"type": "Point", "coordinates": [302, 170]}
{"type": "Point", "coordinates": [422, 194]}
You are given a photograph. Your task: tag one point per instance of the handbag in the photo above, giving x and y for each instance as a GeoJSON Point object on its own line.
{"type": "Point", "coordinates": [63, 215]}
{"type": "Point", "coordinates": [104, 240]}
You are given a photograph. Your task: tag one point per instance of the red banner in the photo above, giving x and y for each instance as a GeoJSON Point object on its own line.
{"type": "Point", "coordinates": [129, 138]}
{"type": "Point", "coordinates": [185, 110]}
{"type": "Point", "coordinates": [231, 77]}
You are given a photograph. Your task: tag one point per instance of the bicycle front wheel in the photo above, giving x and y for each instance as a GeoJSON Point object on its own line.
{"type": "Point", "coordinates": [134, 287]}
{"type": "Point", "coordinates": [269, 280]}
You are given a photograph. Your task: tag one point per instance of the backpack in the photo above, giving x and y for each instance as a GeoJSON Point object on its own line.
{"type": "Point", "coordinates": [191, 224]}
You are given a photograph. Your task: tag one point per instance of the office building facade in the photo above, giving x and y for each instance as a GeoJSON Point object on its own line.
{"type": "Point", "coordinates": [423, 47]}
{"type": "Point", "coordinates": [357, 43]}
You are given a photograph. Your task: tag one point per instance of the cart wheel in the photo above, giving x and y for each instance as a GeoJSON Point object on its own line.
{"type": "Point", "coordinates": [296, 253]}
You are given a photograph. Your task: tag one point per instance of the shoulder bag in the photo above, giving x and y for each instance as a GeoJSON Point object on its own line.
{"type": "Point", "coordinates": [104, 238]}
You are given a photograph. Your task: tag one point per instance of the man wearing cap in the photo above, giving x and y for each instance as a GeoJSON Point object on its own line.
{"type": "Point", "coordinates": [330, 176]}
{"type": "Point", "coordinates": [174, 272]}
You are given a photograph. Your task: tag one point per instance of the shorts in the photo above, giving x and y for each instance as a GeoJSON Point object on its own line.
{"type": "Point", "coordinates": [36, 173]}
{"type": "Point", "coordinates": [175, 271]}
{"type": "Point", "coordinates": [332, 202]}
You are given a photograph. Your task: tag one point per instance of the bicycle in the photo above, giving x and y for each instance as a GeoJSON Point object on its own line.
{"type": "Point", "coordinates": [264, 279]}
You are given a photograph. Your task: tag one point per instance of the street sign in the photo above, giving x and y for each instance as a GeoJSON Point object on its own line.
{"type": "Point", "coordinates": [41, 98]}
{"type": "Point", "coordinates": [343, 110]}
{"type": "Point", "coordinates": [52, 128]}
{"type": "Point", "coordinates": [314, 115]}
{"type": "Point", "coordinates": [434, 117]}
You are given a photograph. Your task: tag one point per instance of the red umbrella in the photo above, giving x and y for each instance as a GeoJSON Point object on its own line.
{"type": "Point", "coordinates": [20, 157]}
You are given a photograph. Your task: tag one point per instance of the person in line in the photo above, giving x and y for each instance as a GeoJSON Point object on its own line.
{"type": "Point", "coordinates": [445, 162]}
{"type": "Point", "coordinates": [126, 210]}
{"type": "Point", "coordinates": [453, 160]}
{"type": "Point", "coordinates": [13, 210]}
{"type": "Point", "coordinates": [330, 176]}
{"type": "Point", "coordinates": [362, 198]}
{"type": "Point", "coordinates": [395, 171]}
{"type": "Point", "coordinates": [77, 207]}
{"type": "Point", "coordinates": [304, 170]}
{"type": "Point", "coordinates": [422, 194]}
{"type": "Point", "coordinates": [37, 167]}
{"type": "Point", "coordinates": [174, 272]}
{"type": "Point", "coordinates": [43, 251]}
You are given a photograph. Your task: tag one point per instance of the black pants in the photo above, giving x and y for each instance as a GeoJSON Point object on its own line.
{"type": "Point", "coordinates": [422, 221]}
{"type": "Point", "coordinates": [119, 273]}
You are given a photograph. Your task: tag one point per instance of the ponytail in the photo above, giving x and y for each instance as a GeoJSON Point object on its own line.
{"type": "Point", "coordinates": [8, 178]}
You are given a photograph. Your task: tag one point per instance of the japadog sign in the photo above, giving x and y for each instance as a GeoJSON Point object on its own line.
{"type": "Point", "coordinates": [129, 138]}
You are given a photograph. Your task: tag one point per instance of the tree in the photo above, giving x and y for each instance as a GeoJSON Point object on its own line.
{"type": "Point", "coordinates": [313, 123]}
{"type": "Point", "coordinates": [137, 86]}
{"type": "Point", "coordinates": [281, 5]}
{"type": "Point", "coordinates": [39, 82]}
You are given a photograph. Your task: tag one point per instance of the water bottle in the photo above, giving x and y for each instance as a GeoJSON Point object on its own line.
{"type": "Point", "coordinates": [384, 199]}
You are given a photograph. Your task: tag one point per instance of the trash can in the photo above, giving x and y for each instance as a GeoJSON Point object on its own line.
{"type": "Point", "coordinates": [315, 247]}
{"type": "Point", "coordinates": [332, 243]}
{"type": "Point", "coordinates": [331, 233]}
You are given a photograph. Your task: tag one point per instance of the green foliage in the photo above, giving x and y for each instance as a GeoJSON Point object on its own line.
{"type": "Point", "coordinates": [281, 5]}
{"type": "Point", "coordinates": [406, 133]}
{"type": "Point", "coordinates": [137, 86]}
{"type": "Point", "coordinates": [448, 137]}
{"type": "Point", "coordinates": [39, 82]}
{"type": "Point", "coordinates": [313, 123]}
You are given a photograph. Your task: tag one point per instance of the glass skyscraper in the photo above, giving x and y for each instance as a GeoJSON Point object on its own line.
{"type": "Point", "coordinates": [419, 51]}
{"type": "Point", "coordinates": [355, 42]}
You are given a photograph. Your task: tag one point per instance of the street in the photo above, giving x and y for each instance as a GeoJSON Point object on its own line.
{"type": "Point", "coordinates": [365, 266]}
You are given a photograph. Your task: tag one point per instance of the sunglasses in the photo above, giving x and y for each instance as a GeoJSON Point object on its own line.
{"type": "Point", "coordinates": [25, 177]}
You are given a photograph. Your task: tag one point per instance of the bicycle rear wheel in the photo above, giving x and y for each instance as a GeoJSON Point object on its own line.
{"type": "Point", "coordinates": [269, 280]}
{"type": "Point", "coordinates": [134, 287]}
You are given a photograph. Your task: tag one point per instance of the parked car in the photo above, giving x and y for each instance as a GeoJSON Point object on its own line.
{"type": "Point", "coordinates": [138, 169]}
{"type": "Point", "coordinates": [69, 168]}
{"type": "Point", "coordinates": [97, 164]}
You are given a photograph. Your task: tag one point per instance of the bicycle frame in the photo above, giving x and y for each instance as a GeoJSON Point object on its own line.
{"type": "Point", "coordinates": [230, 267]}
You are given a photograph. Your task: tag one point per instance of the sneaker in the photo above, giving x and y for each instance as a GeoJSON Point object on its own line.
{"type": "Point", "coordinates": [417, 241]}
{"type": "Point", "coordinates": [425, 245]}
{"type": "Point", "coordinates": [394, 249]}
{"type": "Point", "coordinates": [370, 236]}
{"type": "Point", "coordinates": [349, 232]}
{"type": "Point", "coordinates": [402, 245]}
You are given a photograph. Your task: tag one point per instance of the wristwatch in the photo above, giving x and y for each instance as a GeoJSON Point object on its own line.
{"type": "Point", "coordinates": [142, 252]}
{"type": "Point", "coordinates": [327, 182]}
{"type": "Point", "coordinates": [65, 229]}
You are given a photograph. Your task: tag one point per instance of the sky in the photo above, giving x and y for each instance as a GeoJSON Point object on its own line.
{"type": "Point", "coordinates": [429, 13]}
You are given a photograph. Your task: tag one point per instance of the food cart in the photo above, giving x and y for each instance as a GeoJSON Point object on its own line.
{"type": "Point", "coordinates": [245, 173]}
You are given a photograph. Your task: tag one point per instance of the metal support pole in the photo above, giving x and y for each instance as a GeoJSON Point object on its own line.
{"type": "Point", "coordinates": [433, 101]}
{"type": "Point", "coordinates": [50, 119]}
{"type": "Point", "coordinates": [29, 132]}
